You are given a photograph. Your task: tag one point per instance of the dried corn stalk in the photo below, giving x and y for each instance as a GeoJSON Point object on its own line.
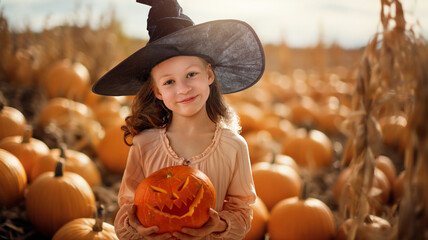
{"type": "Point", "coordinates": [413, 212]}
{"type": "Point", "coordinates": [391, 75]}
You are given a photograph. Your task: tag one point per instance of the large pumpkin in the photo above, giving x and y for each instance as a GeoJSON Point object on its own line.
{"type": "Point", "coordinates": [306, 218]}
{"type": "Point", "coordinates": [107, 110]}
{"type": "Point", "coordinates": [175, 197]}
{"type": "Point", "coordinates": [386, 165]}
{"type": "Point", "coordinates": [87, 229]}
{"type": "Point", "coordinates": [12, 179]}
{"type": "Point", "coordinates": [260, 219]}
{"type": "Point", "coordinates": [55, 198]}
{"type": "Point", "coordinates": [310, 149]}
{"type": "Point", "coordinates": [112, 150]}
{"type": "Point", "coordinates": [64, 112]}
{"type": "Point", "coordinates": [341, 187]}
{"type": "Point", "coordinates": [274, 182]}
{"type": "Point", "coordinates": [27, 149]}
{"type": "Point", "coordinates": [75, 161]}
{"type": "Point", "coordinates": [373, 227]}
{"type": "Point", "coordinates": [259, 146]}
{"type": "Point", "coordinates": [12, 121]}
{"type": "Point", "coordinates": [68, 79]}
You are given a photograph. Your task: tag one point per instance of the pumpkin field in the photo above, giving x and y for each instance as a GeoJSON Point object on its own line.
{"type": "Point", "coordinates": [337, 138]}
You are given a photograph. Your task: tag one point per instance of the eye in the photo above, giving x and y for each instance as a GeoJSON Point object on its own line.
{"type": "Point", "coordinates": [191, 74]}
{"type": "Point", "coordinates": [157, 190]}
{"type": "Point", "coordinates": [183, 184]}
{"type": "Point", "coordinates": [168, 82]}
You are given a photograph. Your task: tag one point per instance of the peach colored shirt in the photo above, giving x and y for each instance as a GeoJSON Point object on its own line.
{"type": "Point", "coordinates": [226, 162]}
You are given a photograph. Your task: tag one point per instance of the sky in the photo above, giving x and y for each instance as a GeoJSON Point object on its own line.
{"type": "Point", "coordinates": [298, 23]}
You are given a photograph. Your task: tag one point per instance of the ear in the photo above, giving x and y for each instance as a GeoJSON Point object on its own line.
{"type": "Point", "coordinates": [158, 95]}
{"type": "Point", "coordinates": [210, 74]}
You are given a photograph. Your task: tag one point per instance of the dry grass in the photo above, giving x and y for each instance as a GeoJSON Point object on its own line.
{"type": "Point", "coordinates": [392, 78]}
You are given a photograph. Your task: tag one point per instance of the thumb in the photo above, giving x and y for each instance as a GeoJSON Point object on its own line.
{"type": "Point", "coordinates": [213, 214]}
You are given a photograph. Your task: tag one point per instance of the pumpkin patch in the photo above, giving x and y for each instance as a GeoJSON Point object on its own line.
{"type": "Point", "coordinates": [349, 122]}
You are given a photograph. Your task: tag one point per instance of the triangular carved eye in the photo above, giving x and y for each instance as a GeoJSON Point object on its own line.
{"type": "Point", "coordinates": [158, 190]}
{"type": "Point", "coordinates": [183, 184]}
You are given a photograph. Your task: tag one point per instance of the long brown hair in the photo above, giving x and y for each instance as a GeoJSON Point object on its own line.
{"type": "Point", "coordinates": [149, 112]}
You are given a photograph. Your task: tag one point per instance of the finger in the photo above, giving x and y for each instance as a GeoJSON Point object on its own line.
{"type": "Point", "coordinates": [132, 216]}
{"type": "Point", "coordinates": [135, 223]}
{"type": "Point", "coordinates": [213, 214]}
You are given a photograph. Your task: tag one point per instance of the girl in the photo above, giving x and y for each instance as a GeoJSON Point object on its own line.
{"type": "Point", "coordinates": [179, 116]}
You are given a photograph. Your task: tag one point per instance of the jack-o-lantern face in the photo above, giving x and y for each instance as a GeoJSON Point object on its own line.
{"type": "Point", "coordinates": [174, 197]}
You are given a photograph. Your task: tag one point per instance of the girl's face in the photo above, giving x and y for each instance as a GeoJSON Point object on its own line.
{"type": "Point", "coordinates": [182, 83]}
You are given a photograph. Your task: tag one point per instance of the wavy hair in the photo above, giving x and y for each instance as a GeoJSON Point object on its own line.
{"type": "Point", "coordinates": [149, 112]}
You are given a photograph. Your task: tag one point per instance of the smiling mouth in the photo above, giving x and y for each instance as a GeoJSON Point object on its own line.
{"type": "Point", "coordinates": [185, 210]}
{"type": "Point", "coordinates": [188, 100]}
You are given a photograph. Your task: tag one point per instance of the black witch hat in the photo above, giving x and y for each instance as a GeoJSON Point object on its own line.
{"type": "Point", "coordinates": [230, 46]}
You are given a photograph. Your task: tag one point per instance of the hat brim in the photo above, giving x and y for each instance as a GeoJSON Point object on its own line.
{"type": "Point", "coordinates": [230, 46]}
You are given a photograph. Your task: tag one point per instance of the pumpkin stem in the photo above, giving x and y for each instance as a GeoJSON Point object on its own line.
{"type": "Point", "coordinates": [62, 148]}
{"type": "Point", "coordinates": [59, 169]}
{"type": "Point", "coordinates": [273, 158]}
{"type": "Point", "coordinates": [304, 194]}
{"type": "Point", "coordinates": [169, 175]}
{"type": "Point", "coordinates": [28, 133]}
{"type": "Point", "coordinates": [99, 219]}
{"type": "Point", "coordinates": [368, 219]}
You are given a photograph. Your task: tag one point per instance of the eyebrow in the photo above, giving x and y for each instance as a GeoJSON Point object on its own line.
{"type": "Point", "coordinates": [186, 69]}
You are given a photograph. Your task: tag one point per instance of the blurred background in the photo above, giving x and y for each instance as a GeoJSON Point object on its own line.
{"type": "Point", "coordinates": [51, 52]}
{"type": "Point", "coordinates": [298, 23]}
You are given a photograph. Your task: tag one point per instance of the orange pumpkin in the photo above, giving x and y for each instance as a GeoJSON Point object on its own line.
{"type": "Point", "coordinates": [75, 161]}
{"type": "Point", "coordinates": [282, 159]}
{"type": "Point", "coordinates": [386, 165]}
{"type": "Point", "coordinates": [27, 149]}
{"type": "Point", "coordinates": [380, 181]}
{"type": "Point", "coordinates": [373, 227]}
{"type": "Point", "coordinates": [259, 146]}
{"type": "Point", "coordinates": [175, 197]}
{"type": "Point", "coordinates": [13, 179]}
{"type": "Point", "coordinates": [274, 182]}
{"type": "Point", "coordinates": [249, 115]}
{"type": "Point", "coordinates": [112, 150]}
{"type": "Point", "coordinates": [260, 219]}
{"type": "Point", "coordinates": [394, 130]}
{"type": "Point", "coordinates": [55, 198]}
{"type": "Point", "coordinates": [330, 116]}
{"type": "Point", "coordinates": [64, 112]}
{"type": "Point", "coordinates": [302, 111]}
{"type": "Point", "coordinates": [107, 110]}
{"type": "Point", "coordinates": [310, 149]}
{"type": "Point", "coordinates": [12, 121]}
{"type": "Point", "coordinates": [87, 229]}
{"type": "Point", "coordinates": [66, 78]}
{"type": "Point", "coordinates": [305, 218]}
{"type": "Point", "coordinates": [279, 128]}
{"type": "Point", "coordinates": [21, 66]}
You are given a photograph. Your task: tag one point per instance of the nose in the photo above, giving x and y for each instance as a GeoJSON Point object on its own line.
{"type": "Point", "coordinates": [173, 196]}
{"type": "Point", "coordinates": [183, 87]}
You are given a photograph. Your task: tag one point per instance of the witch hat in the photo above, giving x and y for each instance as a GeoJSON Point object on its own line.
{"type": "Point", "coordinates": [230, 46]}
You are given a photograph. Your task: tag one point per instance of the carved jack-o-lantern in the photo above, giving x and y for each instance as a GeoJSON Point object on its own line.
{"type": "Point", "coordinates": [175, 197]}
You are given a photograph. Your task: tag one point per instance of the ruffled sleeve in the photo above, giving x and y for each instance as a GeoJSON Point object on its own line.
{"type": "Point", "coordinates": [132, 176]}
{"type": "Point", "coordinates": [237, 212]}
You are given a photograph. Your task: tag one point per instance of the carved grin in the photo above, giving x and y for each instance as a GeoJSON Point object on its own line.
{"type": "Point", "coordinates": [186, 209]}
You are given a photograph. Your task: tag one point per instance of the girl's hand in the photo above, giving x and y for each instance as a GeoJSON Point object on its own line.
{"type": "Point", "coordinates": [147, 233]}
{"type": "Point", "coordinates": [214, 224]}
